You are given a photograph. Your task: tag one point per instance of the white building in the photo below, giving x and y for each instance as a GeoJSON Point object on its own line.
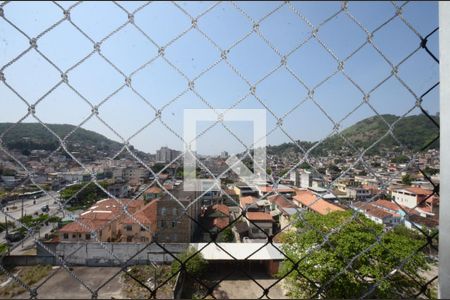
{"type": "Point", "coordinates": [411, 196]}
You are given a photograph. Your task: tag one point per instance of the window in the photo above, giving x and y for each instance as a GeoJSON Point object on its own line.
{"type": "Point", "coordinates": [88, 236]}
{"type": "Point", "coordinates": [142, 228]}
{"type": "Point", "coordinates": [128, 227]}
{"type": "Point", "coordinates": [163, 211]}
{"type": "Point", "coordinates": [129, 238]}
{"type": "Point", "coordinates": [173, 224]}
{"type": "Point", "coordinates": [74, 236]}
{"type": "Point", "coordinates": [174, 211]}
{"type": "Point", "coordinates": [163, 223]}
{"type": "Point", "coordinates": [66, 236]}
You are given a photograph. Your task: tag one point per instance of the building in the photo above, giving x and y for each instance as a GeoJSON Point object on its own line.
{"type": "Point", "coordinates": [282, 210]}
{"type": "Point", "coordinates": [266, 189]}
{"type": "Point", "coordinates": [410, 196]}
{"type": "Point", "coordinates": [152, 192]}
{"type": "Point", "coordinates": [104, 218]}
{"type": "Point", "coordinates": [243, 190]}
{"type": "Point", "coordinates": [118, 190]}
{"type": "Point", "coordinates": [135, 176]}
{"type": "Point", "coordinates": [377, 214]}
{"type": "Point", "coordinates": [130, 227]}
{"type": "Point", "coordinates": [214, 219]}
{"type": "Point", "coordinates": [358, 193]}
{"type": "Point", "coordinates": [308, 200]}
{"type": "Point", "coordinates": [262, 220]}
{"type": "Point", "coordinates": [165, 155]}
{"type": "Point", "coordinates": [177, 220]}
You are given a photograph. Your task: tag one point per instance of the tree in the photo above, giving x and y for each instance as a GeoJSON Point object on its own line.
{"type": "Point", "coordinates": [401, 159]}
{"type": "Point", "coordinates": [194, 263]}
{"type": "Point", "coordinates": [321, 261]}
{"type": "Point", "coordinates": [305, 165]}
{"type": "Point", "coordinates": [226, 236]}
{"type": "Point", "coordinates": [85, 198]}
{"type": "Point", "coordinates": [406, 179]}
{"type": "Point", "coordinates": [430, 171]}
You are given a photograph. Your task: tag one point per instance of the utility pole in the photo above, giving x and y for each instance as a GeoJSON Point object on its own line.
{"type": "Point", "coordinates": [6, 231]}
{"type": "Point", "coordinates": [6, 226]}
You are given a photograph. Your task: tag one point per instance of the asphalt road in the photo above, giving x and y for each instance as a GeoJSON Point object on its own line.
{"type": "Point", "coordinates": [30, 208]}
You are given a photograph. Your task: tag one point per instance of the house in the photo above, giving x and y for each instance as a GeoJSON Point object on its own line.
{"type": "Point", "coordinates": [377, 214]}
{"type": "Point", "coordinates": [281, 189]}
{"type": "Point", "coordinates": [214, 219]}
{"type": "Point", "coordinates": [247, 201]}
{"type": "Point", "coordinates": [152, 192]}
{"type": "Point", "coordinates": [131, 229]}
{"type": "Point", "coordinates": [358, 193]}
{"type": "Point", "coordinates": [262, 220]}
{"type": "Point", "coordinates": [282, 210]}
{"type": "Point", "coordinates": [411, 196]}
{"type": "Point", "coordinates": [229, 197]}
{"type": "Point", "coordinates": [424, 223]}
{"type": "Point", "coordinates": [104, 218]}
{"type": "Point", "coordinates": [243, 190]}
{"type": "Point", "coordinates": [118, 190]}
{"type": "Point", "coordinates": [308, 200]}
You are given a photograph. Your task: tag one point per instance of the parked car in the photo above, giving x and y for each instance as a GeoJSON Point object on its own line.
{"type": "Point", "coordinates": [45, 208]}
{"type": "Point", "coordinates": [14, 237]}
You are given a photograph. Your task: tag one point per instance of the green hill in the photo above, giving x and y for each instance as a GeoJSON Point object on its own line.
{"type": "Point", "coordinates": [30, 136]}
{"type": "Point", "coordinates": [414, 132]}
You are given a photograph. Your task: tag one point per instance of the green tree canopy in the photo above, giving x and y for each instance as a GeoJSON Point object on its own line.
{"type": "Point", "coordinates": [86, 197]}
{"type": "Point", "coordinates": [322, 261]}
{"type": "Point", "coordinates": [406, 179]}
{"type": "Point", "coordinates": [194, 262]}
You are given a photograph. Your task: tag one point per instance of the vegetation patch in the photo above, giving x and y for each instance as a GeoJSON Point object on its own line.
{"type": "Point", "coordinates": [139, 281]}
{"type": "Point", "coordinates": [28, 275]}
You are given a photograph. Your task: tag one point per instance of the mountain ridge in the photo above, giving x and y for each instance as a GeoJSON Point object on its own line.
{"type": "Point", "coordinates": [414, 132]}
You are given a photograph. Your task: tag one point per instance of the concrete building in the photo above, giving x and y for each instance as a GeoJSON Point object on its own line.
{"type": "Point", "coordinates": [411, 196]}
{"type": "Point", "coordinates": [104, 218]}
{"type": "Point", "coordinates": [263, 220]}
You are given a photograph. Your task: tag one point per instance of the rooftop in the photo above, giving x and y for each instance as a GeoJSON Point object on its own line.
{"type": "Point", "coordinates": [239, 251]}
{"type": "Point", "coordinates": [259, 216]}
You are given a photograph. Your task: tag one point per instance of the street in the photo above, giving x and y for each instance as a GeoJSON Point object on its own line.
{"type": "Point", "coordinates": [14, 209]}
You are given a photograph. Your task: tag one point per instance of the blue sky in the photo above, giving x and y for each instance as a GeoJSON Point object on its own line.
{"type": "Point", "coordinates": [31, 76]}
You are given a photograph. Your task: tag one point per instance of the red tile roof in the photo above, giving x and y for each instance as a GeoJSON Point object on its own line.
{"type": "Point", "coordinates": [222, 208]}
{"type": "Point", "coordinates": [259, 216]}
{"type": "Point", "coordinates": [281, 201]}
{"type": "Point", "coordinates": [418, 191]}
{"type": "Point", "coordinates": [309, 199]}
{"type": "Point", "coordinates": [221, 222]}
{"type": "Point", "coordinates": [83, 226]}
{"type": "Point", "coordinates": [146, 215]}
{"type": "Point", "coordinates": [386, 204]}
{"type": "Point", "coordinates": [247, 200]}
{"type": "Point", "coordinates": [153, 190]}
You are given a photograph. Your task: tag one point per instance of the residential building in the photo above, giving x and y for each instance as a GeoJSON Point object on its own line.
{"type": "Point", "coordinates": [308, 200]}
{"type": "Point", "coordinates": [214, 219]}
{"type": "Point", "coordinates": [282, 210]}
{"type": "Point", "coordinates": [104, 218]}
{"type": "Point", "coordinates": [262, 220]}
{"type": "Point", "coordinates": [377, 214]}
{"type": "Point", "coordinates": [410, 196]}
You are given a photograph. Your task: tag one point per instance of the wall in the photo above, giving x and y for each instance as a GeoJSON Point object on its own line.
{"type": "Point", "coordinates": [94, 254]}
{"type": "Point", "coordinates": [29, 260]}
